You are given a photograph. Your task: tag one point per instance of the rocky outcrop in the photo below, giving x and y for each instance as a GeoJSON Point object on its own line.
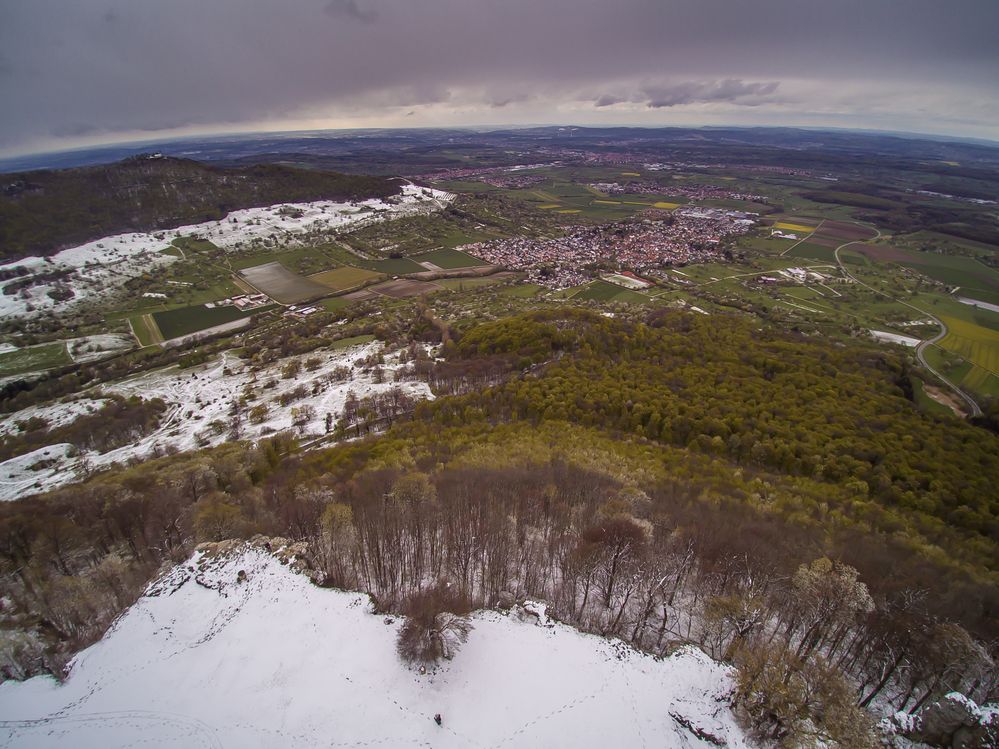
{"type": "Point", "coordinates": [952, 722]}
{"type": "Point", "coordinates": [294, 554]}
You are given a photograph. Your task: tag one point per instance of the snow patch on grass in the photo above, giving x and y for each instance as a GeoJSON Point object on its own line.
{"type": "Point", "coordinates": [198, 396]}
{"type": "Point", "coordinates": [104, 265]}
{"type": "Point", "coordinates": [55, 415]}
{"type": "Point", "coordinates": [902, 340]}
{"type": "Point", "coordinates": [36, 471]}
{"type": "Point", "coordinates": [94, 347]}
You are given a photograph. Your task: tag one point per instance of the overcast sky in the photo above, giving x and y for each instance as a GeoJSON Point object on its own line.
{"type": "Point", "coordinates": [74, 72]}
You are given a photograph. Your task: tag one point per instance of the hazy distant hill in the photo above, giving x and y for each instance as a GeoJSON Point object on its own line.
{"type": "Point", "coordinates": [42, 212]}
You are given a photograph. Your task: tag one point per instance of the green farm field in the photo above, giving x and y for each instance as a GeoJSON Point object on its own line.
{"type": "Point", "coordinates": [299, 260]}
{"type": "Point", "coordinates": [396, 266]}
{"type": "Point", "coordinates": [974, 279]}
{"type": "Point", "coordinates": [464, 284]}
{"type": "Point", "coordinates": [334, 303]}
{"type": "Point", "coordinates": [973, 342]}
{"type": "Point", "coordinates": [766, 244]}
{"type": "Point", "coordinates": [34, 359]}
{"type": "Point", "coordinates": [602, 291]}
{"type": "Point", "coordinates": [140, 327]}
{"type": "Point", "coordinates": [345, 278]}
{"type": "Point", "coordinates": [981, 381]}
{"type": "Point", "coordinates": [186, 320]}
{"type": "Point", "coordinates": [812, 251]}
{"type": "Point", "coordinates": [933, 241]}
{"type": "Point", "coordinates": [522, 291]}
{"type": "Point", "coordinates": [449, 259]}
{"type": "Point", "coordinates": [190, 244]}
{"type": "Point", "coordinates": [574, 199]}
{"type": "Point", "coordinates": [352, 341]}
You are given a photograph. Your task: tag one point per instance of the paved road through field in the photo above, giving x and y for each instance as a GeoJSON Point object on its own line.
{"type": "Point", "coordinates": [923, 345]}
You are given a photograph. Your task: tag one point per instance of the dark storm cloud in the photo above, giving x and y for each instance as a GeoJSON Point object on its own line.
{"type": "Point", "coordinates": [608, 100]}
{"type": "Point", "coordinates": [729, 90]}
{"type": "Point", "coordinates": [147, 64]}
{"type": "Point", "coordinates": [503, 100]}
{"type": "Point", "coordinates": [666, 94]}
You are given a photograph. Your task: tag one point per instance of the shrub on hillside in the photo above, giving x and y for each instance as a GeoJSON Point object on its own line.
{"type": "Point", "coordinates": [799, 704]}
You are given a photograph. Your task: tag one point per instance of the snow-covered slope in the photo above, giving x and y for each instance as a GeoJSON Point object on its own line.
{"type": "Point", "coordinates": [203, 660]}
{"type": "Point", "coordinates": [196, 397]}
{"type": "Point", "coordinates": [105, 264]}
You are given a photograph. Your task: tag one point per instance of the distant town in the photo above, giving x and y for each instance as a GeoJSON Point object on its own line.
{"type": "Point", "coordinates": [687, 235]}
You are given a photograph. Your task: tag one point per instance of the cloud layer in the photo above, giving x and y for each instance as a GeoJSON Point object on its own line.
{"type": "Point", "coordinates": [108, 68]}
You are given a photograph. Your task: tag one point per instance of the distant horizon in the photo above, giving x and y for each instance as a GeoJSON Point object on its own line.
{"type": "Point", "coordinates": [91, 73]}
{"type": "Point", "coordinates": [143, 142]}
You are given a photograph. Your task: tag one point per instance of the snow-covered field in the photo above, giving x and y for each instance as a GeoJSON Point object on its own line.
{"type": "Point", "coordinates": [106, 264]}
{"type": "Point", "coordinates": [902, 340]}
{"type": "Point", "coordinates": [195, 398]}
{"type": "Point", "coordinates": [94, 347]}
{"type": "Point", "coordinates": [627, 282]}
{"type": "Point", "coordinates": [39, 470]}
{"type": "Point", "coordinates": [979, 303]}
{"type": "Point", "coordinates": [205, 661]}
{"type": "Point", "coordinates": [55, 415]}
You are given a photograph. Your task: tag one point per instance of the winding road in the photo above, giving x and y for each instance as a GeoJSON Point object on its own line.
{"type": "Point", "coordinates": [974, 409]}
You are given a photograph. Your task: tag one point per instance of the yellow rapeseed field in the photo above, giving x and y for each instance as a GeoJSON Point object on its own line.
{"type": "Point", "coordinates": [975, 343]}
{"type": "Point", "coordinates": [794, 227]}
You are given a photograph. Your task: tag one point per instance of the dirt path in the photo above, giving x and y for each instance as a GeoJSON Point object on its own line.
{"type": "Point", "coordinates": [946, 399]}
{"type": "Point", "coordinates": [244, 285]}
{"type": "Point", "coordinates": [154, 330]}
{"type": "Point", "coordinates": [804, 238]}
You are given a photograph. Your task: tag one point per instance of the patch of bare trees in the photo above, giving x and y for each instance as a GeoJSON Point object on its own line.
{"type": "Point", "coordinates": [607, 562]}
{"type": "Point", "coordinates": [436, 625]}
{"type": "Point", "coordinates": [659, 568]}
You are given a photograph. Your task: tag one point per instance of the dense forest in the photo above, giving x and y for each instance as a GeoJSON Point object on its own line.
{"type": "Point", "coordinates": [45, 211]}
{"type": "Point", "coordinates": [763, 399]}
{"type": "Point", "coordinates": [772, 499]}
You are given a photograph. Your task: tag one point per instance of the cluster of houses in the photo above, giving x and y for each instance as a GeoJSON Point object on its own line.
{"type": "Point", "coordinates": [691, 192]}
{"type": "Point", "coordinates": [500, 176]}
{"type": "Point", "coordinates": [794, 275]}
{"type": "Point", "coordinates": [296, 311]}
{"type": "Point", "coordinates": [691, 235]}
{"type": "Point", "coordinates": [242, 302]}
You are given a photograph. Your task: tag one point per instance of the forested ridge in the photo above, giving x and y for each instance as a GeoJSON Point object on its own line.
{"type": "Point", "coordinates": [775, 500]}
{"type": "Point", "coordinates": [45, 211]}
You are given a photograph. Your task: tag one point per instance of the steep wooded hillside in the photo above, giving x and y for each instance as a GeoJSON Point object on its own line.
{"type": "Point", "coordinates": [44, 211]}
